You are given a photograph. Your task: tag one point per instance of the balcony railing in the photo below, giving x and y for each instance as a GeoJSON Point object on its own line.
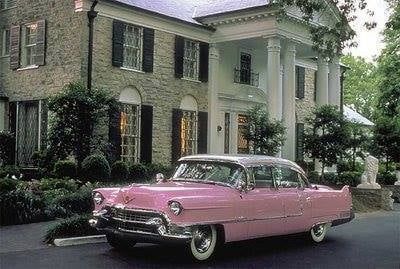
{"type": "Point", "coordinates": [246, 77]}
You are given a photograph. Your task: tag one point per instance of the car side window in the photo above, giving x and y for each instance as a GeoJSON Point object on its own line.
{"type": "Point", "coordinates": [263, 176]}
{"type": "Point", "coordinates": [286, 178]}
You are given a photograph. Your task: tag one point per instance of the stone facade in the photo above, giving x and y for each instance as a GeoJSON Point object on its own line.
{"type": "Point", "coordinates": [305, 106]}
{"type": "Point", "coordinates": [159, 89]}
{"type": "Point", "coordinates": [369, 200]}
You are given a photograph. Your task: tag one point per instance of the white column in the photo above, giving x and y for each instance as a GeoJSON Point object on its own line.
{"type": "Point", "coordinates": [274, 92]}
{"type": "Point", "coordinates": [322, 82]}
{"type": "Point", "coordinates": [289, 102]}
{"type": "Point", "coordinates": [334, 82]}
{"type": "Point", "coordinates": [213, 110]}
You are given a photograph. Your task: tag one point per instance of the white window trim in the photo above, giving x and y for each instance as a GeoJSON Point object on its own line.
{"type": "Point", "coordinates": [136, 157]}
{"type": "Point", "coordinates": [24, 46]}
{"type": "Point", "coordinates": [4, 43]}
{"type": "Point", "coordinates": [140, 53]}
{"type": "Point", "coordinates": [197, 63]}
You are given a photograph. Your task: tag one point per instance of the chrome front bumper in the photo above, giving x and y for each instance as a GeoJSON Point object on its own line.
{"type": "Point", "coordinates": [139, 225]}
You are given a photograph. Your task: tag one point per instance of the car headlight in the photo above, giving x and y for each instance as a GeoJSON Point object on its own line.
{"type": "Point", "coordinates": [98, 198]}
{"type": "Point", "coordinates": [175, 207]}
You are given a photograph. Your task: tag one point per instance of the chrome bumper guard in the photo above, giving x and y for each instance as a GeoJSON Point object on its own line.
{"type": "Point", "coordinates": [139, 225]}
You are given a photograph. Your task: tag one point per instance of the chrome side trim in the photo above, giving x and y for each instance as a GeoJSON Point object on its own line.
{"type": "Point", "coordinates": [153, 234]}
{"type": "Point", "coordinates": [130, 221]}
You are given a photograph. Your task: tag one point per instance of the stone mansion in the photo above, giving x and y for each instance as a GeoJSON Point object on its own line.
{"type": "Point", "coordinates": [184, 71]}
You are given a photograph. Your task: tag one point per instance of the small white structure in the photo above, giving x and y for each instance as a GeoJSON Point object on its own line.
{"type": "Point", "coordinates": [397, 183]}
{"type": "Point", "coordinates": [368, 178]}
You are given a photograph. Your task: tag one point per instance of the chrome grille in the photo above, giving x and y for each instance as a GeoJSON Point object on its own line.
{"type": "Point", "coordinates": [133, 216]}
{"type": "Point", "coordinates": [134, 220]}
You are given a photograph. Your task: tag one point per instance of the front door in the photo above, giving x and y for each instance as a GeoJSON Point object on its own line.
{"type": "Point", "coordinates": [266, 211]}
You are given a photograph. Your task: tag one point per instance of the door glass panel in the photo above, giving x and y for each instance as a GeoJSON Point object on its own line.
{"type": "Point", "coordinates": [243, 144]}
{"type": "Point", "coordinates": [130, 126]}
{"type": "Point", "coordinates": [263, 177]}
{"type": "Point", "coordinates": [286, 177]}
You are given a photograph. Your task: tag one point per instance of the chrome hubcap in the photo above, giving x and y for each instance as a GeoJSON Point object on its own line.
{"type": "Point", "coordinates": [202, 239]}
{"type": "Point", "coordinates": [318, 230]}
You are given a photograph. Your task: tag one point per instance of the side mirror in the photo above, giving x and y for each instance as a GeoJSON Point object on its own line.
{"type": "Point", "coordinates": [160, 178]}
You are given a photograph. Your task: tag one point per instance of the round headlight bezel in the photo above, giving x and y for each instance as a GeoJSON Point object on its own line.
{"type": "Point", "coordinates": [98, 198]}
{"type": "Point", "coordinates": [175, 207]}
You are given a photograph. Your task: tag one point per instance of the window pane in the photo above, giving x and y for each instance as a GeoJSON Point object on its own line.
{"type": "Point", "coordinates": [132, 47]}
{"type": "Point", "coordinates": [129, 133]}
{"type": "Point", "coordinates": [189, 133]}
{"type": "Point", "coordinates": [191, 59]}
{"type": "Point", "coordinates": [263, 177]}
{"type": "Point", "coordinates": [286, 177]}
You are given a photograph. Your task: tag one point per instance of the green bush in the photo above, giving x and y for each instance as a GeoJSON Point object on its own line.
{"type": "Point", "coordinates": [349, 178]}
{"type": "Point", "coordinates": [9, 171]}
{"type": "Point", "coordinates": [96, 168]}
{"type": "Point", "coordinates": [55, 183]}
{"type": "Point", "coordinates": [19, 207]}
{"type": "Point", "coordinates": [154, 169]}
{"type": "Point", "coordinates": [138, 173]}
{"type": "Point", "coordinates": [119, 171]}
{"type": "Point", "coordinates": [344, 166]}
{"type": "Point", "coordinates": [329, 179]}
{"type": "Point", "coordinates": [71, 227]}
{"type": "Point", "coordinates": [386, 178]}
{"type": "Point", "coordinates": [7, 185]}
{"type": "Point", "coordinates": [73, 203]}
{"type": "Point", "coordinates": [65, 168]}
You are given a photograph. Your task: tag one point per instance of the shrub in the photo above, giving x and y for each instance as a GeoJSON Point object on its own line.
{"type": "Point", "coordinates": [65, 169]}
{"type": "Point", "coordinates": [154, 169]}
{"type": "Point", "coordinates": [350, 178]}
{"type": "Point", "coordinates": [386, 178]}
{"type": "Point", "coordinates": [54, 183]}
{"type": "Point", "coordinates": [138, 173]}
{"type": "Point", "coordinates": [7, 185]}
{"type": "Point", "coordinates": [71, 227]}
{"type": "Point", "coordinates": [344, 166]}
{"type": "Point", "coordinates": [9, 171]}
{"type": "Point", "coordinates": [7, 145]}
{"type": "Point", "coordinates": [73, 203]}
{"type": "Point", "coordinates": [19, 207]}
{"type": "Point", "coordinates": [96, 168]}
{"type": "Point", "coordinates": [119, 171]}
{"type": "Point", "coordinates": [329, 179]}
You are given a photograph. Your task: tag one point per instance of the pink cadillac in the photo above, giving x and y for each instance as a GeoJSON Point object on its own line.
{"type": "Point", "coordinates": [211, 200]}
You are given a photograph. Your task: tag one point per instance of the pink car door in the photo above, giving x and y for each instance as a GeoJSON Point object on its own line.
{"type": "Point", "coordinates": [295, 199]}
{"type": "Point", "coordinates": [266, 212]}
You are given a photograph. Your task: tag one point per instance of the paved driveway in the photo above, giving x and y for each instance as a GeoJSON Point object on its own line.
{"type": "Point", "coordinates": [370, 241]}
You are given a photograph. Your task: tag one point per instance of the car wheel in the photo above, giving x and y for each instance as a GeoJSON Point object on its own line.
{"type": "Point", "coordinates": [204, 242]}
{"type": "Point", "coordinates": [119, 243]}
{"type": "Point", "coordinates": [318, 232]}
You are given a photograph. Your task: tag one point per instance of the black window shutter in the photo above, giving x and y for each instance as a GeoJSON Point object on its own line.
{"type": "Point", "coordinates": [202, 132]}
{"type": "Point", "coordinates": [40, 48]}
{"type": "Point", "coordinates": [146, 134]}
{"type": "Point", "coordinates": [299, 141]}
{"type": "Point", "coordinates": [179, 50]}
{"type": "Point", "coordinates": [114, 132]}
{"type": "Point", "coordinates": [176, 134]}
{"type": "Point", "coordinates": [148, 50]}
{"type": "Point", "coordinates": [300, 82]}
{"type": "Point", "coordinates": [203, 72]}
{"type": "Point", "coordinates": [315, 86]}
{"type": "Point", "coordinates": [118, 43]}
{"type": "Point", "coordinates": [12, 126]}
{"type": "Point", "coordinates": [15, 37]}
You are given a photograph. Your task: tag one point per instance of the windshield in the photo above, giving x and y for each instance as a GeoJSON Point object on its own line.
{"type": "Point", "coordinates": [210, 172]}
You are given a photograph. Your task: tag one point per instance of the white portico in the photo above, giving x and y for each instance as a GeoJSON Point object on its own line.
{"type": "Point", "coordinates": [257, 59]}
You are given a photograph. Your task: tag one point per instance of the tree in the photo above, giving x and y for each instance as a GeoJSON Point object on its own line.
{"type": "Point", "coordinates": [387, 118]}
{"type": "Point", "coordinates": [361, 85]}
{"type": "Point", "coordinates": [76, 112]}
{"type": "Point", "coordinates": [327, 137]}
{"type": "Point", "coordinates": [265, 136]}
{"type": "Point", "coordinates": [358, 142]}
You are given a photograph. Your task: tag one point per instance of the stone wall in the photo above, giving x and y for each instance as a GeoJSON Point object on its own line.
{"type": "Point", "coordinates": [365, 200]}
{"type": "Point", "coordinates": [159, 89]}
{"type": "Point", "coordinates": [395, 190]}
{"type": "Point", "coordinates": [63, 54]}
{"type": "Point", "coordinates": [305, 106]}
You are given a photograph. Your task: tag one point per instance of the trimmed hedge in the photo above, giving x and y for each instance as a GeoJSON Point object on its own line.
{"type": "Point", "coordinates": [65, 168]}
{"type": "Point", "coordinates": [96, 168]}
{"type": "Point", "coordinates": [71, 227]}
{"type": "Point", "coordinates": [73, 203]}
{"type": "Point", "coordinates": [119, 171]}
{"type": "Point", "coordinates": [7, 185]}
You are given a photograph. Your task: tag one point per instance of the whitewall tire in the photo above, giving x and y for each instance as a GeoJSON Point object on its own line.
{"type": "Point", "coordinates": [204, 242]}
{"type": "Point", "coordinates": [318, 232]}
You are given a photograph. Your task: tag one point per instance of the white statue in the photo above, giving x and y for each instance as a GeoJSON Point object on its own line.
{"type": "Point", "coordinates": [368, 178]}
{"type": "Point", "coordinates": [397, 172]}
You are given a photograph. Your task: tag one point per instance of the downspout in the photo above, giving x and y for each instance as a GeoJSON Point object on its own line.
{"type": "Point", "coordinates": [92, 14]}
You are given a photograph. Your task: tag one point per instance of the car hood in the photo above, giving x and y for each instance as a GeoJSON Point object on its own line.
{"type": "Point", "coordinates": [156, 196]}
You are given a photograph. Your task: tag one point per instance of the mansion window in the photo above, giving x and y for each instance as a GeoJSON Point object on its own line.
{"type": "Point", "coordinates": [191, 58]}
{"type": "Point", "coordinates": [29, 34]}
{"type": "Point", "coordinates": [130, 133]}
{"type": "Point", "coordinates": [244, 74]}
{"type": "Point", "coordinates": [189, 133]}
{"type": "Point", "coordinates": [5, 44]}
{"type": "Point", "coordinates": [133, 47]}
{"type": "Point", "coordinates": [243, 146]}
{"type": "Point", "coordinates": [5, 4]}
